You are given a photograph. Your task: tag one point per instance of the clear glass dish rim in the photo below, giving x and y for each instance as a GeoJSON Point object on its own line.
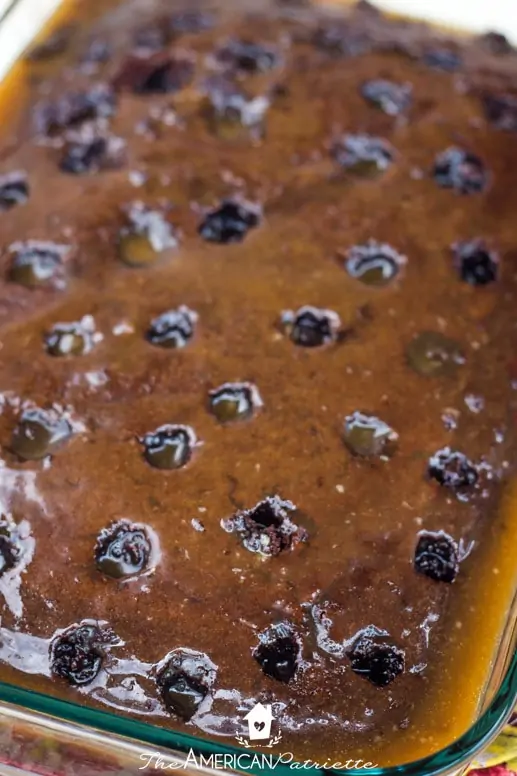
{"type": "Point", "coordinates": [86, 721]}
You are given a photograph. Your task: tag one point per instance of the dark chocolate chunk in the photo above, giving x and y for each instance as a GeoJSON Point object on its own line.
{"type": "Point", "coordinates": [374, 657]}
{"type": "Point", "coordinates": [230, 222]}
{"type": "Point", "coordinates": [501, 111]}
{"type": "Point", "coordinates": [36, 263]}
{"type": "Point", "coordinates": [14, 190]}
{"type": "Point", "coordinates": [341, 39]}
{"type": "Point", "coordinates": [279, 652]}
{"type": "Point", "coordinates": [363, 155]}
{"type": "Point", "coordinates": [173, 329]}
{"type": "Point", "coordinates": [460, 170]}
{"type": "Point", "coordinates": [125, 549]}
{"type": "Point", "coordinates": [390, 97]}
{"type": "Point", "coordinates": [452, 469]}
{"type": "Point", "coordinates": [184, 680]}
{"type": "Point", "coordinates": [77, 654]}
{"type": "Point", "coordinates": [75, 108]}
{"type": "Point", "coordinates": [443, 59]}
{"type": "Point", "coordinates": [437, 556]}
{"type": "Point", "coordinates": [311, 327]}
{"type": "Point", "coordinates": [249, 56]}
{"type": "Point", "coordinates": [88, 152]}
{"type": "Point", "coordinates": [475, 262]}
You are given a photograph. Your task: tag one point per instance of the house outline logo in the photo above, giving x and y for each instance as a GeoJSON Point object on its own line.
{"type": "Point", "coordinates": [259, 720]}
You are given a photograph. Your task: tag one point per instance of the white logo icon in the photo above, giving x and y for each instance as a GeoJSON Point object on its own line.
{"type": "Point", "coordinates": [259, 722]}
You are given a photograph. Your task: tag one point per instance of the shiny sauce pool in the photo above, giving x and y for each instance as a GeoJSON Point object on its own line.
{"type": "Point", "coordinates": [257, 325]}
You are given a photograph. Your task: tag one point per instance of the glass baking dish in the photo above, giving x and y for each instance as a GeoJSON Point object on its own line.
{"type": "Point", "coordinates": [43, 735]}
{"type": "Point", "coordinates": [40, 734]}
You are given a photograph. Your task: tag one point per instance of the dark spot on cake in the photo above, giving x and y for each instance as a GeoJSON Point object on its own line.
{"type": "Point", "coordinates": [390, 97]}
{"type": "Point", "coordinates": [230, 222]}
{"type": "Point", "coordinates": [375, 264]}
{"type": "Point", "coordinates": [501, 111]}
{"type": "Point", "coordinates": [437, 556]}
{"type": "Point", "coordinates": [496, 43]}
{"type": "Point", "coordinates": [460, 170]}
{"type": "Point", "coordinates": [231, 114]}
{"type": "Point", "coordinates": [280, 92]}
{"type": "Point", "coordinates": [169, 447]}
{"type": "Point", "coordinates": [374, 657]}
{"type": "Point", "coordinates": [341, 39]}
{"type": "Point", "coordinates": [363, 155]}
{"type": "Point", "coordinates": [184, 679]}
{"type": "Point", "coordinates": [311, 327]}
{"type": "Point", "coordinates": [432, 354]}
{"type": "Point", "coordinates": [475, 262]}
{"type": "Point", "coordinates": [35, 264]}
{"type": "Point", "coordinates": [279, 652]}
{"type": "Point", "coordinates": [159, 73]}
{"type": "Point", "coordinates": [89, 152]}
{"type": "Point", "coordinates": [192, 22]}
{"type": "Point", "coordinates": [445, 59]}
{"type": "Point", "coordinates": [75, 108]}
{"type": "Point", "coordinates": [452, 469]}
{"type": "Point", "coordinates": [14, 190]}
{"type": "Point", "coordinates": [70, 339]}
{"type": "Point", "coordinates": [147, 236]}
{"type": "Point", "coordinates": [173, 329]}
{"type": "Point", "coordinates": [249, 57]}
{"type": "Point", "coordinates": [368, 436]}
{"type": "Point", "coordinates": [82, 158]}
{"type": "Point", "coordinates": [125, 549]}
{"type": "Point", "coordinates": [16, 552]}
{"type": "Point", "coordinates": [266, 528]}
{"type": "Point", "coordinates": [10, 549]}
{"type": "Point", "coordinates": [39, 433]}
{"type": "Point", "coordinates": [78, 653]}
{"type": "Point", "coordinates": [53, 46]}
{"type": "Point", "coordinates": [182, 694]}
{"type": "Point", "coordinates": [234, 401]}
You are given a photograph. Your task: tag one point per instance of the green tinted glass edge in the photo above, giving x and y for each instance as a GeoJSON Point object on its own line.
{"type": "Point", "coordinates": [451, 758]}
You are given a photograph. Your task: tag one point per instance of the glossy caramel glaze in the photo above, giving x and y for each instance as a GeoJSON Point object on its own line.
{"type": "Point", "coordinates": [348, 563]}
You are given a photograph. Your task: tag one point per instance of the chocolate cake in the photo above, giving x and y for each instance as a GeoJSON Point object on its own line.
{"type": "Point", "coordinates": [257, 326]}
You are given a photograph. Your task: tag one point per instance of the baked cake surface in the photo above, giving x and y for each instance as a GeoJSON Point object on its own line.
{"type": "Point", "coordinates": [257, 335]}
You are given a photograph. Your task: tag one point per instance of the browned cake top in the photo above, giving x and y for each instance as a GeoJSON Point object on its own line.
{"type": "Point", "coordinates": [257, 332]}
